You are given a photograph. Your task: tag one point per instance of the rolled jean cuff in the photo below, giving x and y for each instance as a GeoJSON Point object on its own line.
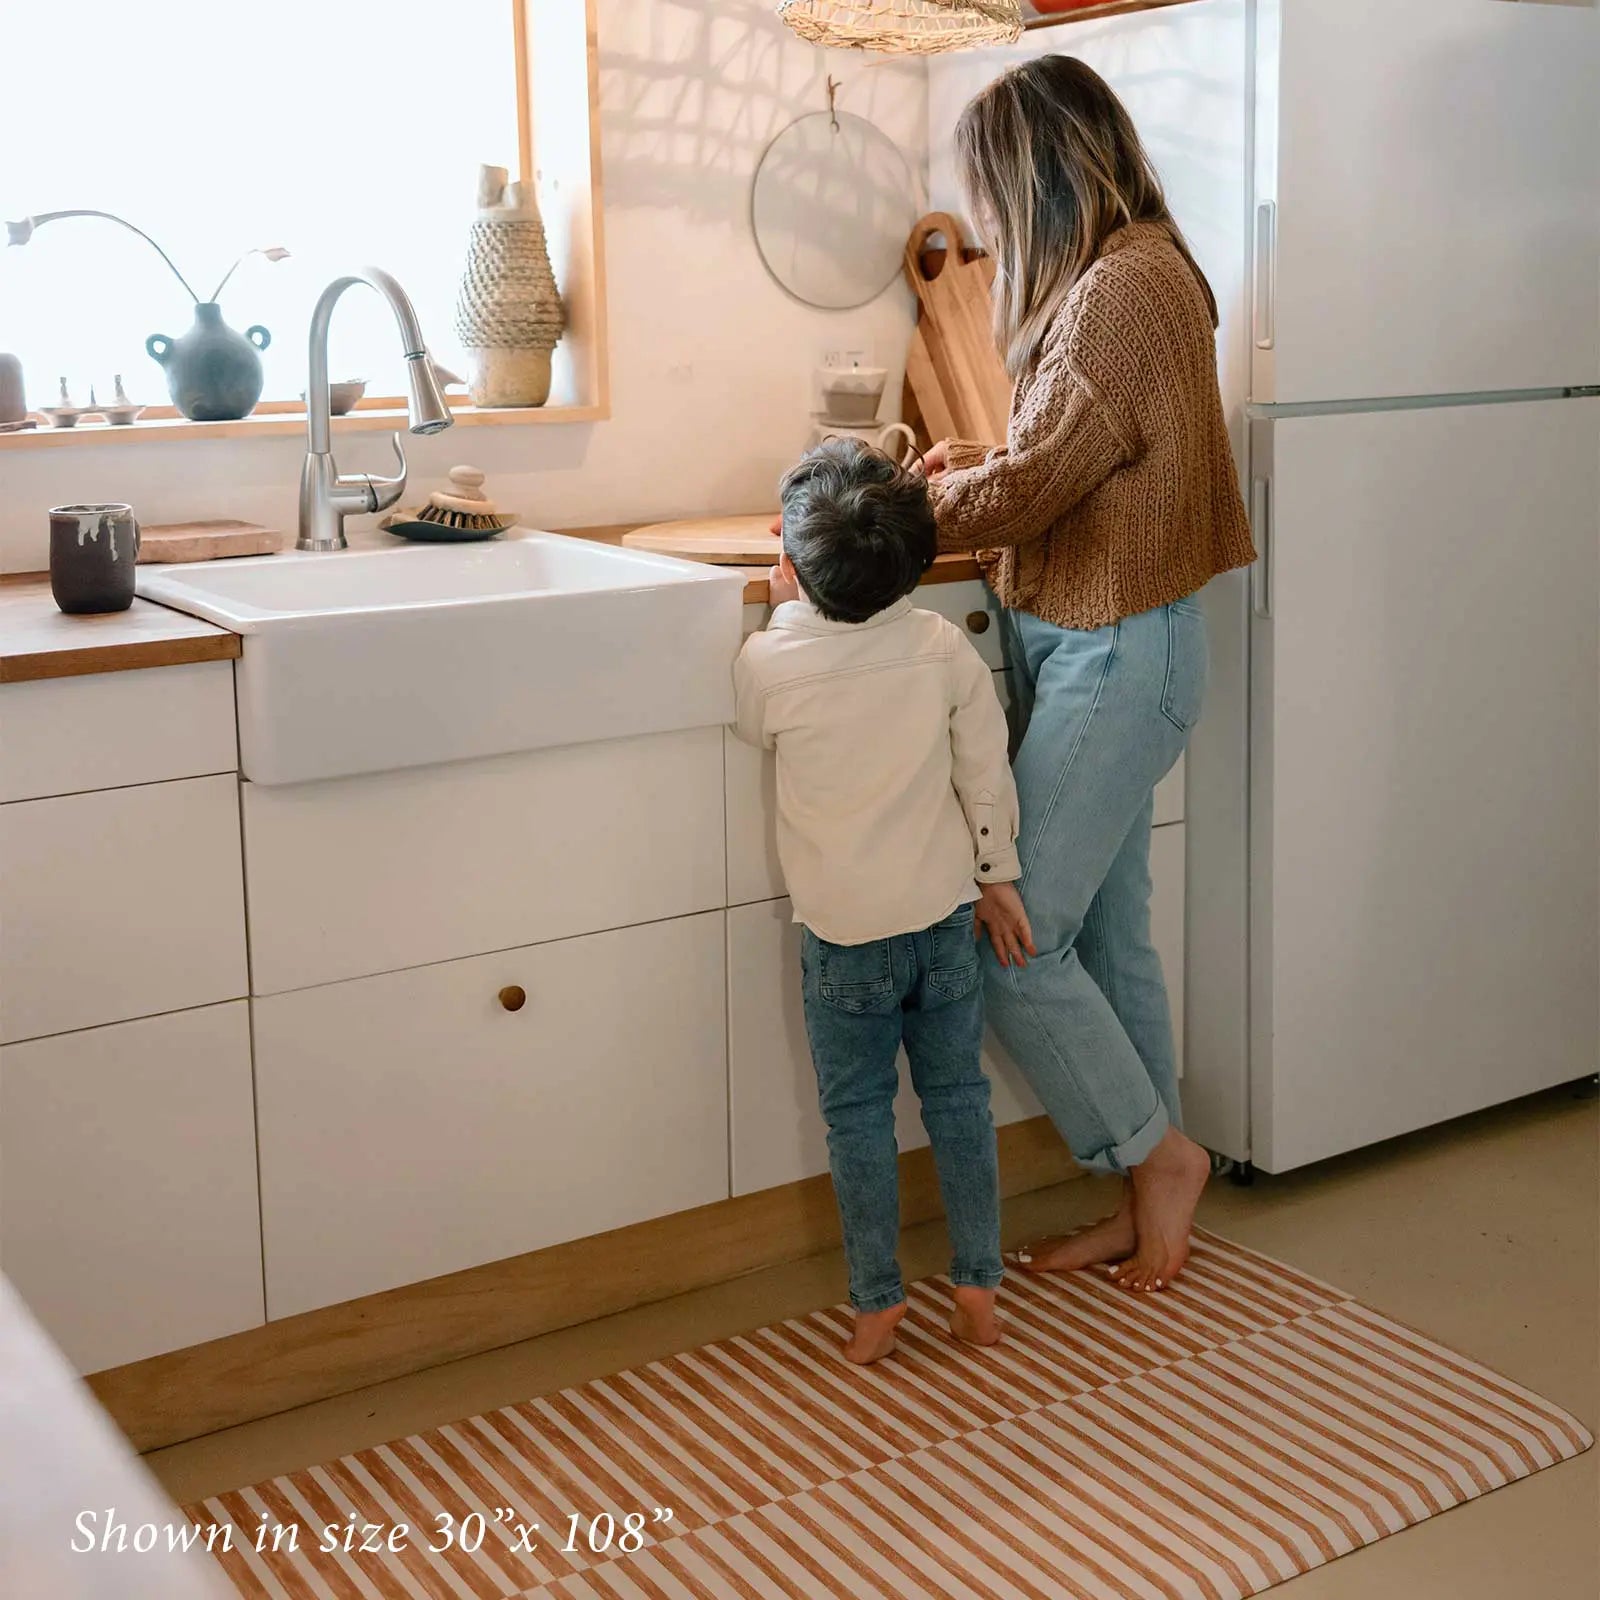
{"type": "Point", "coordinates": [886, 1301]}
{"type": "Point", "coordinates": [982, 1278]}
{"type": "Point", "coordinates": [1118, 1158]}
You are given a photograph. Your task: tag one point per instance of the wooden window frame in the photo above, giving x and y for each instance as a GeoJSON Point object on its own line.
{"type": "Point", "coordinates": [554, 107]}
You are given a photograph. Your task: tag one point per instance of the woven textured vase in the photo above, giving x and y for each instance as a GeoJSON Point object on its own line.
{"type": "Point", "coordinates": [906, 27]}
{"type": "Point", "coordinates": [509, 315]}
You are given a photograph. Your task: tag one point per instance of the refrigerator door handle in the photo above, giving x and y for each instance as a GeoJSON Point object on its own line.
{"type": "Point", "coordinates": [1264, 311]}
{"type": "Point", "coordinates": [1261, 524]}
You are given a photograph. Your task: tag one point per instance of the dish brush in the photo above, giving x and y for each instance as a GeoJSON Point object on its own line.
{"type": "Point", "coordinates": [464, 506]}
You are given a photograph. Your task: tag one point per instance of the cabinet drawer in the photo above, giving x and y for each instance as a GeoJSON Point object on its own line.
{"type": "Point", "coordinates": [374, 874]}
{"type": "Point", "coordinates": [1169, 796]}
{"type": "Point", "coordinates": [750, 777]}
{"type": "Point", "coordinates": [128, 1208]}
{"type": "Point", "coordinates": [778, 1133]}
{"type": "Point", "coordinates": [111, 729]}
{"type": "Point", "coordinates": [1167, 867]}
{"type": "Point", "coordinates": [973, 608]}
{"type": "Point", "coordinates": [411, 1125]}
{"type": "Point", "coordinates": [119, 904]}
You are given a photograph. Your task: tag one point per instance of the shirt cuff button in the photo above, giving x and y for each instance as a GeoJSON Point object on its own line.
{"type": "Point", "coordinates": [984, 867]}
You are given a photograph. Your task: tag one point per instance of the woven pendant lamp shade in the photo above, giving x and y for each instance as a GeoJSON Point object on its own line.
{"type": "Point", "coordinates": [906, 27]}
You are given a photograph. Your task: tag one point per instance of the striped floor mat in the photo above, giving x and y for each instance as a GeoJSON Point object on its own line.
{"type": "Point", "coordinates": [1242, 1428]}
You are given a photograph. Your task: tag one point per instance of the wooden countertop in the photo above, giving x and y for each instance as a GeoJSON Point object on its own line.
{"type": "Point", "coordinates": [947, 569]}
{"type": "Point", "coordinates": [39, 641]}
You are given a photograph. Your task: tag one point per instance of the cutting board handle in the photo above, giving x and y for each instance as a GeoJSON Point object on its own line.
{"type": "Point", "coordinates": [921, 232]}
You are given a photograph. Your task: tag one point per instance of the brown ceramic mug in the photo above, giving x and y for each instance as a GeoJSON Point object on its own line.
{"type": "Point", "coordinates": [92, 553]}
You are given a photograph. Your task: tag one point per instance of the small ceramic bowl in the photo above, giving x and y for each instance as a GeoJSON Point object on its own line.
{"type": "Point", "coordinates": [851, 394]}
{"type": "Point", "coordinates": [343, 396]}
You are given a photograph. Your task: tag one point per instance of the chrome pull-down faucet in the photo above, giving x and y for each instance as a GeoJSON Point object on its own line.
{"type": "Point", "coordinates": [328, 496]}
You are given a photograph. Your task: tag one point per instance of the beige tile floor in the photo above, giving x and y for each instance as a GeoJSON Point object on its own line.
{"type": "Point", "coordinates": [1485, 1234]}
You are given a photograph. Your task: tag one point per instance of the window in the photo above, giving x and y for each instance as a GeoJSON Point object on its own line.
{"type": "Point", "coordinates": [346, 131]}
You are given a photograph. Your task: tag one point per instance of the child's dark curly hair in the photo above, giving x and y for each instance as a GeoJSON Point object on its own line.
{"type": "Point", "coordinates": [858, 528]}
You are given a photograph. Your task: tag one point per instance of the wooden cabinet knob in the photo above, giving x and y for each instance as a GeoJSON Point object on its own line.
{"type": "Point", "coordinates": [513, 997]}
{"type": "Point", "coordinates": [977, 622]}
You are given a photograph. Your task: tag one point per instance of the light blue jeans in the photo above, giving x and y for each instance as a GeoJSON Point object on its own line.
{"type": "Point", "coordinates": [1103, 716]}
{"type": "Point", "coordinates": [862, 1002]}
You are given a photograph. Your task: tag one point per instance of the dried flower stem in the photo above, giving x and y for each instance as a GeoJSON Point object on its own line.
{"type": "Point", "coordinates": [21, 232]}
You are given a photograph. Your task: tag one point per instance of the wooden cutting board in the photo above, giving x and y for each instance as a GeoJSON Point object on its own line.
{"type": "Point", "coordinates": [725, 541]}
{"type": "Point", "coordinates": [929, 412]}
{"type": "Point", "coordinates": [206, 541]}
{"type": "Point", "coordinates": [953, 295]}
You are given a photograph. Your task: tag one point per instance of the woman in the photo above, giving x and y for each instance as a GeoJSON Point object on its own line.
{"type": "Point", "coordinates": [1113, 501]}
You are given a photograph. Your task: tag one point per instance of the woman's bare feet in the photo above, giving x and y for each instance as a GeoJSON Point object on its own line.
{"type": "Point", "coordinates": [1167, 1186]}
{"type": "Point", "coordinates": [1110, 1239]}
{"type": "Point", "coordinates": [972, 1320]}
{"type": "Point", "coordinates": [873, 1338]}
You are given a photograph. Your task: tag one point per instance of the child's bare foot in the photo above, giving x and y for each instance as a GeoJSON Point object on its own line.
{"type": "Point", "coordinates": [972, 1320]}
{"type": "Point", "coordinates": [1167, 1186]}
{"type": "Point", "coordinates": [1110, 1239]}
{"type": "Point", "coordinates": [873, 1338]}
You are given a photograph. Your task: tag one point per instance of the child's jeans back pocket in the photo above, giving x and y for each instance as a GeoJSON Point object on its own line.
{"type": "Point", "coordinates": [853, 977]}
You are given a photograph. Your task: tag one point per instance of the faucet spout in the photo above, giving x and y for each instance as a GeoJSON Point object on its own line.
{"type": "Point", "coordinates": [326, 496]}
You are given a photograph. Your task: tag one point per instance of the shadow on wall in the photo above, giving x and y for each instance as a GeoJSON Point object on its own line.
{"type": "Point", "coordinates": [688, 112]}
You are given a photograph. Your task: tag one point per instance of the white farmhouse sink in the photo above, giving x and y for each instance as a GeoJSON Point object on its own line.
{"type": "Point", "coordinates": [365, 660]}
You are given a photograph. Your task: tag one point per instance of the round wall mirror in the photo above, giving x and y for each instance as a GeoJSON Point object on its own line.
{"type": "Point", "coordinates": [832, 206]}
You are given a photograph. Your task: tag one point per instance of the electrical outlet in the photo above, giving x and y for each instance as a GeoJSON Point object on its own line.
{"type": "Point", "coordinates": [846, 357]}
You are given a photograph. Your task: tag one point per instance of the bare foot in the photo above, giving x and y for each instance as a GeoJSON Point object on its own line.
{"type": "Point", "coordinates": [1110, 1239]}
{"type": "Point", "coordinates": [973, 1320]}
{"type": "Point", "coordinates": [1167, 1186]}
{"type": "Point", "coordinates": [873, 1338]}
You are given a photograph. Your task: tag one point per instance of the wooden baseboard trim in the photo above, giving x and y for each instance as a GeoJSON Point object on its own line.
{"type": "Point", "coordinates": [297, 1360]}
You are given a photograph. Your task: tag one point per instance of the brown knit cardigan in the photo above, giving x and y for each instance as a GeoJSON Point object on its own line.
{"type": "Point", "coordinates": [1116, 490]}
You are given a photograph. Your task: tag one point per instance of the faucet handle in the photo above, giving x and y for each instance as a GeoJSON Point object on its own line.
{"type": "Point", "coordinates": [386, 491]}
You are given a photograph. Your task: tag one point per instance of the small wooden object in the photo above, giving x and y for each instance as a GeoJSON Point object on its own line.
{"type": "Point", "coordinates": [206, 541]}
{"type": "Point", "coordinates": [724, 541]}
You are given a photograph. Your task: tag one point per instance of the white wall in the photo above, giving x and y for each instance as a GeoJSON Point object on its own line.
{"type": "Point", "coordinates": [710, 360]}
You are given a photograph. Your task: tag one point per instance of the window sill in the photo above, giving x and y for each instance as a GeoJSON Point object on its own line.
{"type": "Point", "coordinates": [172, 430]}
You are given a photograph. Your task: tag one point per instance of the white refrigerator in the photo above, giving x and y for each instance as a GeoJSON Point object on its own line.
{"type": "Point", "coordinates": [1393, 810]}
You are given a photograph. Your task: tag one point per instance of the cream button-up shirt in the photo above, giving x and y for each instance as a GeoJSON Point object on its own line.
{"type": "Point", "coordinates": [895, 796]}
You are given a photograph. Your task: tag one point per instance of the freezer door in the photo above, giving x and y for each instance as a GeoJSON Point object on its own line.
{"type": "Point", "coordinates": [1425, 768]}
{"type": "Point", "coordinates": [1427, 198]}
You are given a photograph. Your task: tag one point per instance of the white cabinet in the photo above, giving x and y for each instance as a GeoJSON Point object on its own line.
{"type": "Point", "coordinates": [750, 777]}
{"type": "Point", "coordinates": [777, 1131]}
{"type": "Point", "coordinates": [119, 904]}
{"type": "Point", "coordinates": [111, 729]}
{"type": "Point", "coordinates": [373, 874]}
{"type": "Point", "coordinates": [1167, 919]}
{"type": "Point", "coordinates": [973, 608]}
{"type": "Point", "coordinates": [128, 1207]}
{"type": "Point", "coordinates": [410, 1125]}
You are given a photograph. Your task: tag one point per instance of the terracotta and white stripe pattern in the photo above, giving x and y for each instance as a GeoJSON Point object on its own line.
{"type": "Point", "coordinates": [1206, 1443]}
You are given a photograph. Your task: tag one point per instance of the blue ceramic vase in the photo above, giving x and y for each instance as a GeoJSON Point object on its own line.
{"type": "Point", "coordinates": [213, 373]}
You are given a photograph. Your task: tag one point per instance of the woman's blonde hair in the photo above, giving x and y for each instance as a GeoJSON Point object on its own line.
{"type": "Point", "coordinates": [1052, 165]}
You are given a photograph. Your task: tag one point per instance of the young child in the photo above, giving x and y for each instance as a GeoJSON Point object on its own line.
{"type": "Point", "coordinates": [896, 813]}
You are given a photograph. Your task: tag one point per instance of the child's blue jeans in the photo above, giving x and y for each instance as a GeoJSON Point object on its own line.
{"type": "Point", "coordinates": [862, 1002]}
